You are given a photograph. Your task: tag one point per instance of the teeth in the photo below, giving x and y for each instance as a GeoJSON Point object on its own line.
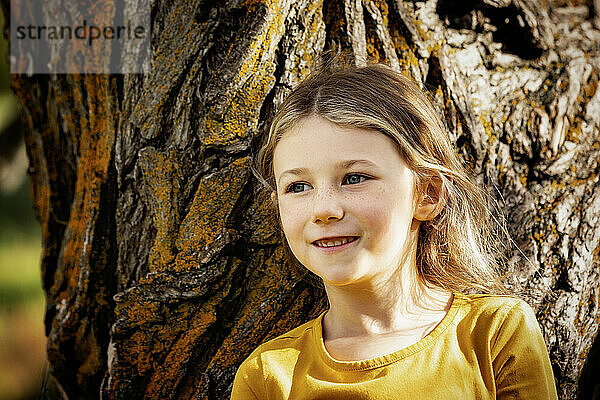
{"type": "Point", "coordinates": [331, 243]}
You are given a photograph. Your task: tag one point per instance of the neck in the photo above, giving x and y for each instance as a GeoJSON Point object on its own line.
{"type": "Point", "coordinates": [396, 303]}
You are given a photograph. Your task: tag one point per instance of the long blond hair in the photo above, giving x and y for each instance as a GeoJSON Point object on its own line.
{"type": "Point", "coordinates": [458, 250]}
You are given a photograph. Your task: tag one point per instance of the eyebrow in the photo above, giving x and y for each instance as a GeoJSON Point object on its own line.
{"type": "Point", "coordinates": [341, 164]}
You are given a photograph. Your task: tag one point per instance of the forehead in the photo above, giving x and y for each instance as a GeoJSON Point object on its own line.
{"type": "Point", "coordinates": [315, 141]}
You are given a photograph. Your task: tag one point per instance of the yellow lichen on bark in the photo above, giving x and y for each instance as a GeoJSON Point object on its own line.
{"type": "Point", "coordinates": [263, 219]}
{"type": "Point", "coordinates": [182, 337]}
{"type": "Point", "coordinates": [266, 275]}
{"type": "Point", "coordinates": [161, 174]}
{"type": "Point", "coordinates": [204, 230]}
{"type": "Point", "coordinates": [242, 110]}
{"type": "Point", "coordinates": [96, 140]}
{"type": "Point", "coordinates": [406, 55]}
{"type": "Point", "coordinates": [253, 80]}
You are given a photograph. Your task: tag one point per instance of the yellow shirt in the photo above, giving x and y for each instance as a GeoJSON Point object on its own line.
{"type": "Point", "coordinates": [486, 347]}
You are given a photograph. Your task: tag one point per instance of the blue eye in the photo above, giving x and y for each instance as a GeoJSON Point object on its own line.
{"type": "Point", "coordinates": [295, 187]}
{"type": "Point", "coordinates": [353, 179]}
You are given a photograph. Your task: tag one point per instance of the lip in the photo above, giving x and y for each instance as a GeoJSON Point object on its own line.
{"type": "Point", "coordinates": [338, 247]}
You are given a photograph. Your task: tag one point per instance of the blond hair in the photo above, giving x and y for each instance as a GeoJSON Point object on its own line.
{"type": "Point", "coordinates": [458, 249]}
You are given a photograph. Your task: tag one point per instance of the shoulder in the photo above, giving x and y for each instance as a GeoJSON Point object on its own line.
{"type": "Point", "coordinates": [497, 318]}
{"type": "Point", "coordinates": [273, 361]}
{"type": "Point", "coordinates": [504, 321]}
{"type": "Point", "coordinates": [283, 347]}
{"type": "Point", "coordinates": [506, 330]}
{"type": "Point", "coordinates": [496, 307]}
{"type": "Point", "coordinates": [488, 302]}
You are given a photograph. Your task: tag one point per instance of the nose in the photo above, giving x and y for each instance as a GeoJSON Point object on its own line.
{"type": "Point", "coordinates": [327, 206]}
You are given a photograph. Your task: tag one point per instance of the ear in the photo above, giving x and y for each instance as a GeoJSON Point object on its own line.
{"type": "Point", "coordinates": [432, 199]}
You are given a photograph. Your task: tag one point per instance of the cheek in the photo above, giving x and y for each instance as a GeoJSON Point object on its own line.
{"type": "Point", "coordinates": [377, 218]}
{"type": "Point", "coordinates": [291, 220]}
{"type": "Point", "coordinates": [375, 208]}
{"type": "Point", "coordinates": [385, 215]}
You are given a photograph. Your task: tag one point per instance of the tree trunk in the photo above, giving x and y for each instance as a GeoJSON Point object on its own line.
{"type": "Point", "coordinates": [161, 263]}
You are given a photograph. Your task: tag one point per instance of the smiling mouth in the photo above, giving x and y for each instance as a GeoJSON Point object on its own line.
{"type": "Point", "coordinates": [336, 241]}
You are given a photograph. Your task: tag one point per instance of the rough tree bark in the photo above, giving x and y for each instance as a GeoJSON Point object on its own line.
{"type": "Point", "coordinates": [161, 264]}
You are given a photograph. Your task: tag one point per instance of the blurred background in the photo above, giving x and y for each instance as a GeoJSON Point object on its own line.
{"type": "Point", "coordinates": [22, 338]}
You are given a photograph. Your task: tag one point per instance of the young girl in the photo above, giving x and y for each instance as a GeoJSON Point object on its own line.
{"type": "Point", "coordinates": [373, 199]}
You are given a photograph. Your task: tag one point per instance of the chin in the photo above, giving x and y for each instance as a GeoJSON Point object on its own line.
{"type": "Point", "coordinates": [341, 278]}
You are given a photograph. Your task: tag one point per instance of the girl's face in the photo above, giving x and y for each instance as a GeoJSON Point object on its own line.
{"type": "Point", "coordinates": [346, 201]}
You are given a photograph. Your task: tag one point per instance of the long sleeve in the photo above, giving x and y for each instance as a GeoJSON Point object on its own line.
{"type": "Point", "coordinates": [521, 364]}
